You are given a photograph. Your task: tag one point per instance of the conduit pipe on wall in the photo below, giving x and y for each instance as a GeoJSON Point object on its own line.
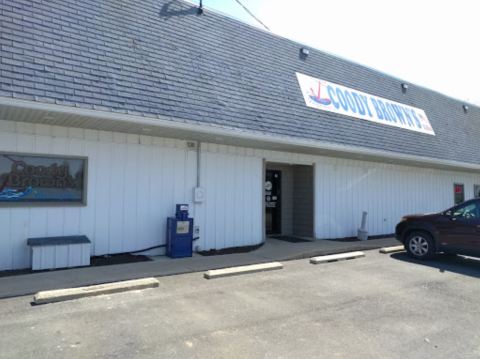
{"type": "Point", "coordinates": [198, 163]}
{"type": "Point", "coordinates": [362, 231]}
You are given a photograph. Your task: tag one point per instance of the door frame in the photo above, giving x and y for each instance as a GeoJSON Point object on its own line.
{"type": "Point", "coordinates": [262, 200]}
{"type": "Point", "coordinates": [313, 164]}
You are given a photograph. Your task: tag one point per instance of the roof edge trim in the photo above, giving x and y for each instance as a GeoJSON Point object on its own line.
{"type": "Point", "coordinates": [181, 125]}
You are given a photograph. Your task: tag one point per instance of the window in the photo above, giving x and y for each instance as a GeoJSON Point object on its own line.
{"type": "Point", "coordinates": [476, 190]}
{"type": "Point", "coordinates": [469, 211]}
{"type": "Point", "coordinates": [459, 193]}
{"type": "Point", "coordinates": [42, 179]}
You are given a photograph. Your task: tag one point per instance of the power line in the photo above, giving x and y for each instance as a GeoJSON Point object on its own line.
{"type": "Point", "coordinates": [250, 13]}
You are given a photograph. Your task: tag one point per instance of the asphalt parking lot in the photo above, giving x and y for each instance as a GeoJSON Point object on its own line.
{"type": "Point", "coordinates": [380, 306]}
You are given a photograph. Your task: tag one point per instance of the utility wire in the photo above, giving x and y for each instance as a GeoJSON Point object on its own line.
{"type": "Point", "coordinates": [250, 13]}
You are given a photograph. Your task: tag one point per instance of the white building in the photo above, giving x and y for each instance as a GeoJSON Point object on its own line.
{"type": "Point", "coordinates": [149, 101]}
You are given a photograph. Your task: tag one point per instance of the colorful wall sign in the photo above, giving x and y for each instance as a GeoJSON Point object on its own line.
{"type": "Point", "coordinates": [31, 178]}
{"type": "Point", "coordinates": [327, 96]}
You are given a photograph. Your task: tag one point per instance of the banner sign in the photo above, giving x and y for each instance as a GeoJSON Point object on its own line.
{"type": "Point", "coordinates": [32, 178]}
{"type": "Point", "coordinates": [327, 96]}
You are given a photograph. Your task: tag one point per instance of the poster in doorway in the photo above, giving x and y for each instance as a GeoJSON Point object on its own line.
{"type": "Point", "coordinates": [273, 202]}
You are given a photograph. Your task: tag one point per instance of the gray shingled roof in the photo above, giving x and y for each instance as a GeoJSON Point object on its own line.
{"type": "Point", "coordinates": [157, 57]}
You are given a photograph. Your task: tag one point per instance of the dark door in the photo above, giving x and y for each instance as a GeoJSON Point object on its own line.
{"type": "Point", "coordinates": [273, 215]}
{"type": "Point", "coordinates": [462, 233]}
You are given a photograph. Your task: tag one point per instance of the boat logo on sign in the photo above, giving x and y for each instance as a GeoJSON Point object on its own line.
{"type": "Point", "coordinates": [316, 95]}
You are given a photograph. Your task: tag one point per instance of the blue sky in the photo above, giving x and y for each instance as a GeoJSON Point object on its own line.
{"type": "Point", "coordinates": [429, 43]}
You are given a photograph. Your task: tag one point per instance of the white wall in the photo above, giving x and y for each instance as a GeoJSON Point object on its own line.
{"type": "Point", "coordinates": [345, 188]}
{"type": "Point", "coordinates": [133, 185]}
{"type": "Point", "coordinates": [231, 215]}
{"type": "Point", "coordinates": [135, 181]}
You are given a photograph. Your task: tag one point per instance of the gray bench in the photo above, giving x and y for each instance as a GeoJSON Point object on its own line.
{"type": "Point", "coordinates": [59, 252]}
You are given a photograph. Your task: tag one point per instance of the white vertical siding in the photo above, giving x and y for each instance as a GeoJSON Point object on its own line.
{"type": "Point", "coordinates": [231, 214]}
{"type": "Point", "coordinates": [345, 188]}
{"type": "Point", "coordinates": [60, 256]}
{"type": "Point", "coordinates": [134, 183]}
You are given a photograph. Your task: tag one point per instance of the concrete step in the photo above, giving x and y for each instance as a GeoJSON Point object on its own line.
{"type": "Point", "coordinates": [58, 295]}
{"type": "Point", "coordinates": [336, 257]}
{"type": "Point", "coordinates": [387, 250]}
{"type": "Point", "coordinates": [227, 272]}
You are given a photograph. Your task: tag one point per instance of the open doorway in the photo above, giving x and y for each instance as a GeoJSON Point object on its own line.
{"type": "Point", "coordinates": [289, 198]}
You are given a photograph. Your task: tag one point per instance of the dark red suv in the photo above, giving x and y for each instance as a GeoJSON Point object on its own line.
{"type": "Point", "coordinates": [456, 231]}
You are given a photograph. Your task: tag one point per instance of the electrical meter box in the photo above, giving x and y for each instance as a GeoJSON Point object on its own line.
{"type": "Point", "coordinates": [179, 233]}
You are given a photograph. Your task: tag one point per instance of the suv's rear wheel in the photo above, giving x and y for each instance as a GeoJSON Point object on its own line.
{"type": "Point", "coordinates": [420, 245]}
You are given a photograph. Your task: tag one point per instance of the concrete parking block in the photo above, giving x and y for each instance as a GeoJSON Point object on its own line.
{"type": "Point", "coordinates": [59, 295]}
{"type": "Point", "coordinates": [336, 257]}
{"type": "Point", "coordinates": [387, 250]}
{"type": "Point", "coordinates": [227, 272]}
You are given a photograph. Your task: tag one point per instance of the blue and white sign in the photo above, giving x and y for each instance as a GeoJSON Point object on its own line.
{"type": "Point", "coordinates": [327, 96]}
{"type": "Point", "coordinates": [40, 179]}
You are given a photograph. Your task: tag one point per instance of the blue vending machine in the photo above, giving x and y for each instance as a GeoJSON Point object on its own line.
{"type": "Point", "coordinates": [179, 233]}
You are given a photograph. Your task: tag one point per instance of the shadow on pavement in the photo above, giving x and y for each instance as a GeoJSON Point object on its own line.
{"type": "Point", "coordinates": [446, 263]}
